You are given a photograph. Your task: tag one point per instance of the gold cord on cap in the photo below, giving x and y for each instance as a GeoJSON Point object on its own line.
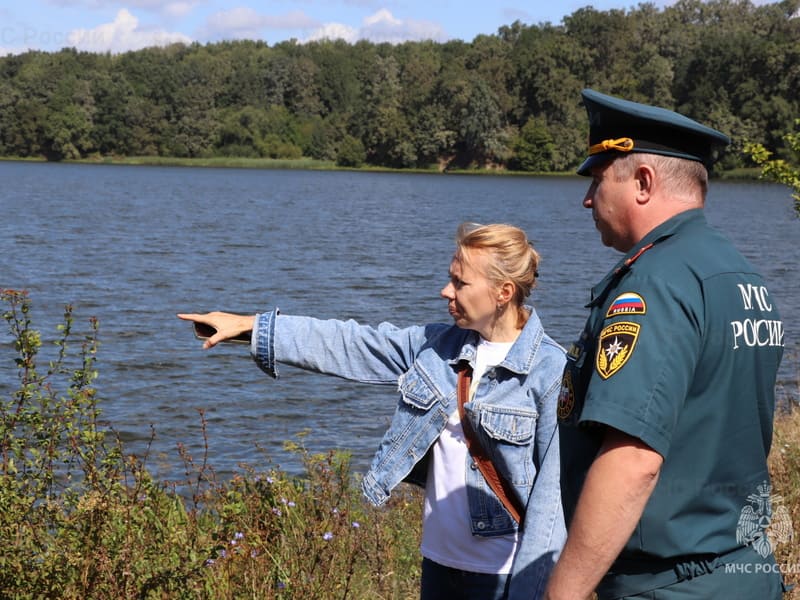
{"type": "Point", "coordinates": [621, 144]}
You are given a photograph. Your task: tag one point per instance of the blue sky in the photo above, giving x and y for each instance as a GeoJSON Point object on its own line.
{"type": "Point", "coordinates": [118, 26]}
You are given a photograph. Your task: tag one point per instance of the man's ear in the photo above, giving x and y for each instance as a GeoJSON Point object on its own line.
{"type": "Point", "coordinates": [645, 179]}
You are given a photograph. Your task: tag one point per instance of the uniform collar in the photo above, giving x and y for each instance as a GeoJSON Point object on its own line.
{"type": "Point", "coordinates": [657, 235]}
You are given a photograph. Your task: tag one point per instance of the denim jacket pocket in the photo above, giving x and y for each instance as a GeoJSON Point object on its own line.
{"type": "Point", "coordinates": [416, 391]}
{"type": "Point", "coordinates": [512, 425]}
{"type": "Point", "coordinates": [509, 436]}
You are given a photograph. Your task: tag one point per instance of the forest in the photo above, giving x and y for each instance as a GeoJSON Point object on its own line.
{"type": "Point", "coordinates": [510, 100]}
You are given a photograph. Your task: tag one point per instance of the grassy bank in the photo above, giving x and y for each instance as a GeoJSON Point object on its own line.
{"type": "Point", "coordinates": [310, 164]}
{"type": "Point", "coordinates": [81, 519]}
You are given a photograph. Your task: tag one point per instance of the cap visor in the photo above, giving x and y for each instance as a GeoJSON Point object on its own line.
{"type": "Point", "coordinates": [598, 160]}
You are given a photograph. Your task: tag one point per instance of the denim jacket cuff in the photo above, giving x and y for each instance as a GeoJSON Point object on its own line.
{"type": "Point", "coordinates": [262, 345]}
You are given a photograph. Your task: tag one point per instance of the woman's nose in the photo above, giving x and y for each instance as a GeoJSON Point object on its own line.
{"type": "Point", "coordinates": [447, 291]}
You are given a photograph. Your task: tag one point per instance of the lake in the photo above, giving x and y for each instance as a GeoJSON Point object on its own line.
{"type": "Point", "coordinates": [133, 246]}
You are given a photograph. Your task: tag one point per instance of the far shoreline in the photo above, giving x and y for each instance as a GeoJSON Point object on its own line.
{"type": "Point", "coordinates": [310, 164]}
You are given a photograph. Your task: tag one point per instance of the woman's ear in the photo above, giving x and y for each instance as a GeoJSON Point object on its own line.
{"type": "Point", "coordinates": [505, 292]}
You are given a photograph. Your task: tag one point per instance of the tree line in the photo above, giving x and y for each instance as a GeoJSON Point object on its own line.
{"type": "Point", "coordinates": [509, 100]}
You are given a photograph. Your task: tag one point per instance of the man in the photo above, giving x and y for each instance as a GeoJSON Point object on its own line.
{"type": "Point", "coordinates": [665, 413]}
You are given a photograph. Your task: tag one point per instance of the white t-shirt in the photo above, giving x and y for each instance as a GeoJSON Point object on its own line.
{"type": "Point", "coordinates": [446, 535]}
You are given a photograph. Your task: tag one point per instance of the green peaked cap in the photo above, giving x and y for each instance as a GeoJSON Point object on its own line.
{"type": "Point", "coordinates": [618, 126]}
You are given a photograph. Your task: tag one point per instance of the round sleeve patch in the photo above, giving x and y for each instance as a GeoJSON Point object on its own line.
{"type": "Point", "coordinates": [615, 347]}
{"type": "Point", "coordinates": [628, 303]}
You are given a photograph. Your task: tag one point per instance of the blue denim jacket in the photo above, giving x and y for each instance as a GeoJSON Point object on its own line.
{"type": "Point", "coordinates": [513, 411]}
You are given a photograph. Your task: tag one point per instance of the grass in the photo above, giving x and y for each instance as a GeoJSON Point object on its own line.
{"type": "Point", "coordinates": [81, 519]}
{"type": "Point", "coordinates": [784, 464]}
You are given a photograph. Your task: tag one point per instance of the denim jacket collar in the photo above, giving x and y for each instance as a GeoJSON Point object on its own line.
{"type": "Point", "coordinates": [520, 357]}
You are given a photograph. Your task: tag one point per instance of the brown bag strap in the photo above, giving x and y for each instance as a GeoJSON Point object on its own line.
{"type": "Point", "coordinates": [501, 487]}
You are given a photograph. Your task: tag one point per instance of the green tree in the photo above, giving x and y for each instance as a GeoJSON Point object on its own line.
{"type": "Point", "coordinates": [385, 130]}
{"type": "Point", "coordinates": [481, 128]}
{"type": "Point", "coordinates": [534, 147]}
{"type": "Point", "coordinates": [780, 170]}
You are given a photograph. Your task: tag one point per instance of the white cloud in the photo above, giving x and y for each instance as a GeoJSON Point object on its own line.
{"type": "Point", "coordinates": [334, 31]}
{"type": "Point", "coordinates": [382, 26]}
{"type": "Point", "coordinates": [382, 17]}
{"type": "Point", "coordinates": [176, 10]}
{"type": "Point", "coordinates": [172, 9]}
{"type": "Point", "coordinates": [246, 23]}
{"type": "Point", "coordinates": [122, 35]}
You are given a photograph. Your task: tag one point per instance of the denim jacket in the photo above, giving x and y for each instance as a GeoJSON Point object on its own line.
{"type": "Point", "coordinates": [513, 411]}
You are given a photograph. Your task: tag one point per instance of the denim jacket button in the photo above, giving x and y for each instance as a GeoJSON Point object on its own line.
{"type": "Point", "coordinates": [480, 525]}
{"type": "Point", "coordinates": [473, 465]}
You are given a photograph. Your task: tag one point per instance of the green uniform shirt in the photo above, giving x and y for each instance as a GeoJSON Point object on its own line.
{"type": "Point", "coordinates": [681, 350]}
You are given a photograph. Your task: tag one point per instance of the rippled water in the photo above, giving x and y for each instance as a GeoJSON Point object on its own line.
{"type": "Point", "coordinates": [133, 246]}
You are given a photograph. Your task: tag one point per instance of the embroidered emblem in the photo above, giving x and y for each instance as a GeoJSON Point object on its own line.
{"type": "Point", "coordinates": [616, 346]}
{"type": "Point", "coordinates": [566, 397]}
{"type": "Point", "coordinates": [627, 304]}
{"type": "Point", "coordinates": [764, 521]}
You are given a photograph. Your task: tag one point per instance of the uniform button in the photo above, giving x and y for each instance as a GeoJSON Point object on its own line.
{"type": "Point", "coordinates": [473, 465]}
{"type": "Point", "coordinates": [492, 374]}
{"type": "Point", "coordinates": [480, 525]}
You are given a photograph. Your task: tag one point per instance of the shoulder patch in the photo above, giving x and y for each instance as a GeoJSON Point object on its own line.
{"type": "Point", "coordinates": [566, 398]}
{"type": "Point", "coordinates": [615, 347]}
{"type": "Point", "coordinates": [628, 303]}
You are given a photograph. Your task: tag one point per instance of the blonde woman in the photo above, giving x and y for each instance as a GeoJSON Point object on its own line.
{"type": "Point", "coordinates": [472, 546]}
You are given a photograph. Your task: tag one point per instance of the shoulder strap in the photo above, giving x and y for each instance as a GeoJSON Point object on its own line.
{"type": "Point", "coordinates": [501, 487]}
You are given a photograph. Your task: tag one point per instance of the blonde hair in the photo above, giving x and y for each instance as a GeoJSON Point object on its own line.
{"type": "Point", "coordinates": [511, 257]}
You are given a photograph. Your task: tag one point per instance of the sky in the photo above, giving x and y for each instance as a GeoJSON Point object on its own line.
{"type": "Point", "coordinates": [122, 25]}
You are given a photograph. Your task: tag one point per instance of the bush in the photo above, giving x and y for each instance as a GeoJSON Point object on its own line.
{"type": "Point", "coordinates": [79, 519]}
{"type": "Point", "coordinates": [351, 152]}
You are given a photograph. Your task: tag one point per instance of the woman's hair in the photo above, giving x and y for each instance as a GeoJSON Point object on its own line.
{"type": "Point", "coordinates": [511, 256]}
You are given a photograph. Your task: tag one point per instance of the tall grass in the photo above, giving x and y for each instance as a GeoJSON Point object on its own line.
{"type": "Point", "coordinates": [784, 466]}
{"type": "Point", "coordinates": [81, 519]}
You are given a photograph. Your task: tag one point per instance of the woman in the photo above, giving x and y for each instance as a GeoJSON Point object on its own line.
{"type": "Point", "coordinates": [472, 547]}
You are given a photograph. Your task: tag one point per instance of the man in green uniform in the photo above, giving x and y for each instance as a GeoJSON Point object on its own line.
{"type": "Point", "coordinates": [667, 400]}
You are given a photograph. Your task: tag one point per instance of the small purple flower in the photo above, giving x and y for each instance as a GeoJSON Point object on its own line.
{"type": "Point", "coordinates": [290, 504]}
{"type": "Point", "coordinates": [327, 536]}
{"type": "Point", "coordinates": [209, 562]}
{"type": "Point", "coordinates": [356, 524]}
{"type": "Point", "coordinates": [270, 480]}
{"type": "Point", "coordinates": [281, 585]}
{"type": "Point", "coordinates": [276, 511]}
